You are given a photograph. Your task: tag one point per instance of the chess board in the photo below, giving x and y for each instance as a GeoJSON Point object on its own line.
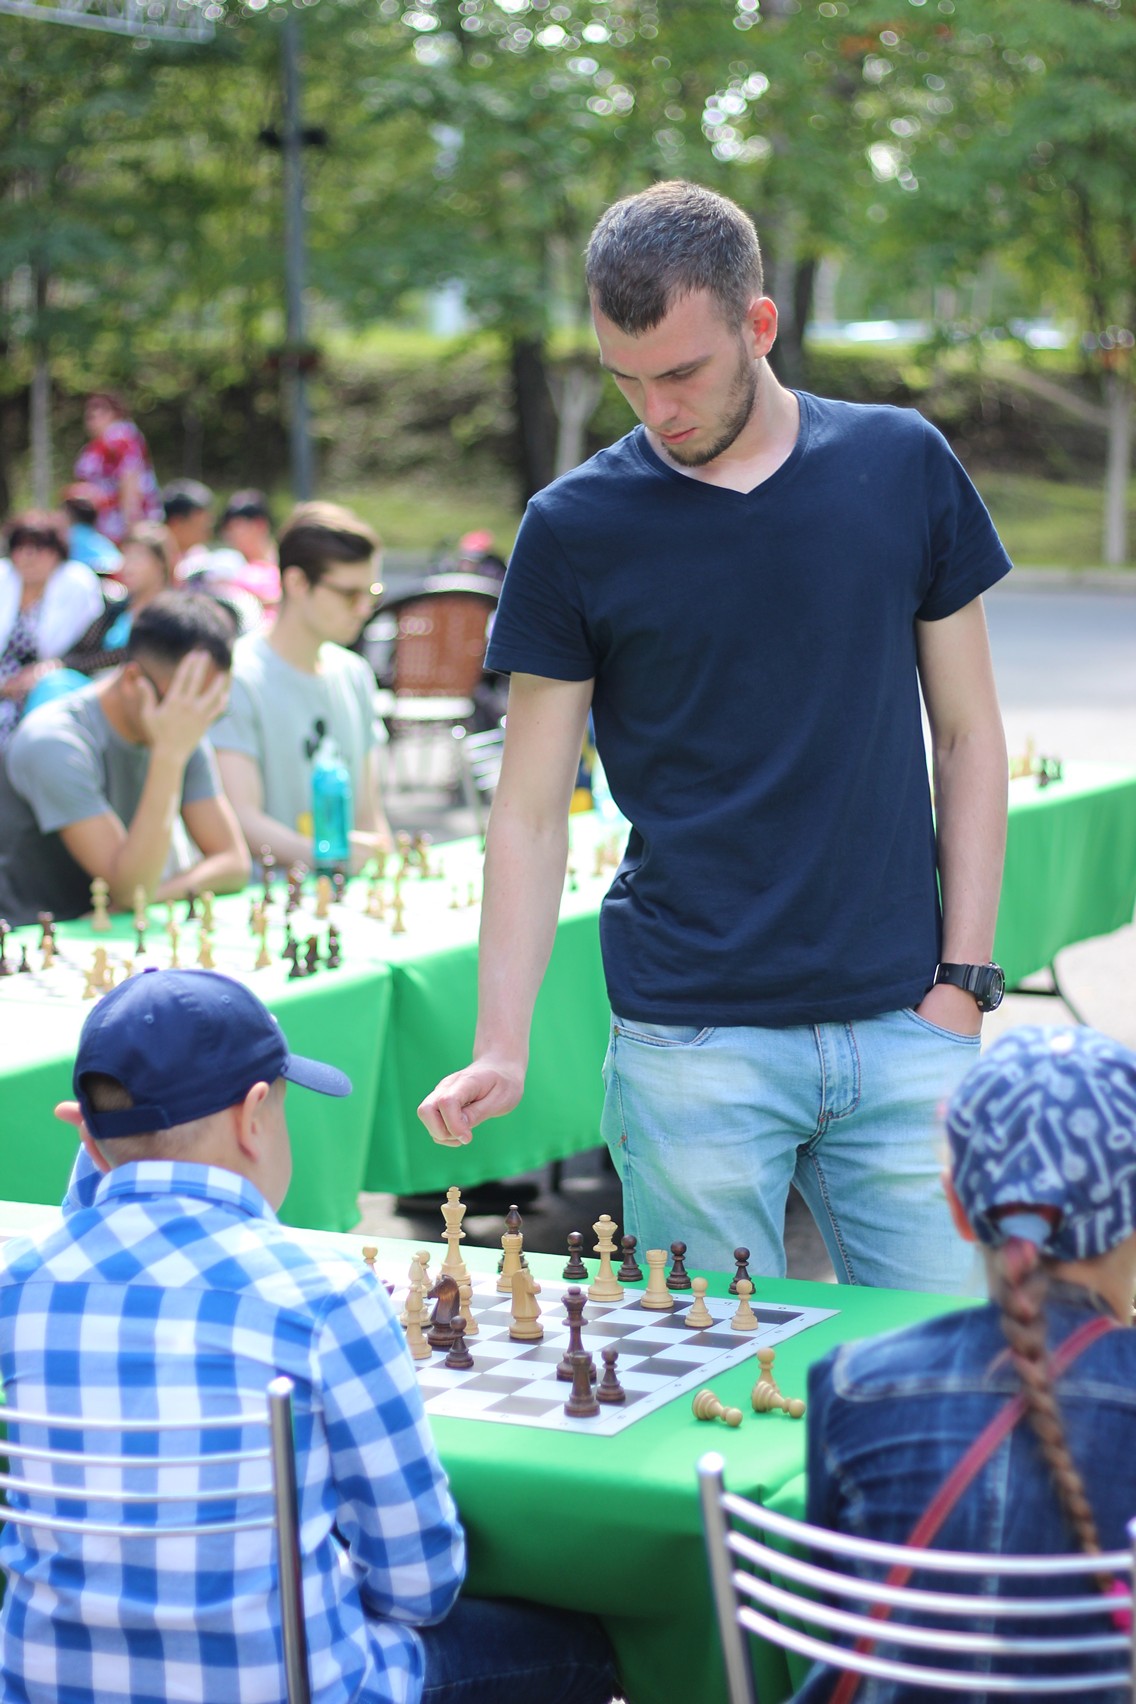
{"type": "Point", "coordinates": [660, 1358]}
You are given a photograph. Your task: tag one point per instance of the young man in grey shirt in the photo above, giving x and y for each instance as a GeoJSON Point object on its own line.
{"type": "Point", "coordinates": [295, 680]}
{"type": "Point", "coordinates": [94, 783]}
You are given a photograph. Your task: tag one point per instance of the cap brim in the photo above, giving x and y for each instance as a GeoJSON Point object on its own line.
{"type": "Point", "coordinates": [313, 1074]}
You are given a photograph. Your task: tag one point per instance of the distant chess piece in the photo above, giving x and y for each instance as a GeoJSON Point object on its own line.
{"type": "Point", "coordinates": [605, 1287]}
{"type": "Point", "coordinates": [575, 1268]}
{"type": "Point", "coordinates": [398, 904]}
{"type": "Point", "coordinates": [656, 1296]}
{"type": "Point", "coordinates": [609, 1388]}
{"type": "Point", "coordinates": [678, 1278]}
{"type": "Point", "coordinates": [370, 1255]}
{"type": "Point", "coordinates": [525, 1326]}
{"type": "Point", "coordinates": [706, 1406]}
{"type": "Point", "coordinates": [25, 964]}
{"type": "Point", "coordinates": [207, 911]}
{"type": "Point", "coordinates": [698, 1315]}
{"type": "Point", "coordinates": [630, 1272]}
{"type": "Point", "coordinates": [582, 1404]}
{"type": "Point", "coordinates": [174, 936]}
{"type": "Point", "coordinates": [311, 955]}
{"type": "Point", "coordinates": [332, 959]}
{"type": "Point", "coordinates": [191, 906]}
{"type": "Point", "coordinates": [419, 1274]}
{"type": "Point", "coordinates": [765, 1358]}
{"type": "Point", "coordinates": [745, 1319]}
{"type": "Point", "coordinates": [741, 1255]}
{"type": "Point", "coordinates": [100, 901]}
{"type": "Point", "coordinates": [205, 950]}
{"type": "Point", "coordinates": [263, 957]}
{"type": "Point", "coordinates": [323, 896]}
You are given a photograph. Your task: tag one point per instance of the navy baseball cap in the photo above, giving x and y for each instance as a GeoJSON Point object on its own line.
{"type": "Point", "coordinates": [186, 1043]}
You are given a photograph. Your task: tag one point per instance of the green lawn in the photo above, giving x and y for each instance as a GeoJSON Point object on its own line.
{"type": "Point", "coordinates": [1044, 523]}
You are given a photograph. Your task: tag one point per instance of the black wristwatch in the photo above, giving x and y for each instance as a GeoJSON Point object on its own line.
{"type": "Point", "coordinates": [985, 981]}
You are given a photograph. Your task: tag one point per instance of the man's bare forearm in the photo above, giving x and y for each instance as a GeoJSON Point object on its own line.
{"type": "Point", "coordinates": [524, 879]}
{"type": "Point", "coordinates": [971, 794]}
{"type": "Point", "coordinates": [141, 857]}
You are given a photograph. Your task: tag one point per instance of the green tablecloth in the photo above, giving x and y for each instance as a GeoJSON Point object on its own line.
{"type": "Point", "coordinates": [400, 1012]}
{"type": "Point", "coordinates": [612, 1525]}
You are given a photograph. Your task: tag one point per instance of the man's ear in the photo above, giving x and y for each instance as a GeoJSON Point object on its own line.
{"type": "Point", "coordinates": [958, 1213]}
{"type": "Point", "coordinates": [248, 1114]}
{"type": "Point", "coordinates": [68, 1112]}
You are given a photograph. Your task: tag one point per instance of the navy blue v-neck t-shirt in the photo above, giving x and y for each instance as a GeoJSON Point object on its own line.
{"type": "Point", "coordinates": [757, 708]}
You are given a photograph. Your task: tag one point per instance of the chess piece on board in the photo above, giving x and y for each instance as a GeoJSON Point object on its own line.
{"type": "Point", "coordinates": [191, 906]}
{"type": "Point", "coordinates": [205, 950]}
{"type": "Point", "coordinates": [605, 1287]}
{"type": "Point", "coordinates": [706, 1406]}
{"type": "Point", "coordinates": [415, 1337]}
{"type": "Point", "coordinates": [100, 901]}
{"type": "Point", "coordinates": [575, 1268]}
{"type": "Point", "coordinates": [465, 1292]}
{"type": "Point", "coordinates": [398, 906]}
{"type": "Point", "coordinates": [656, 1296]}
{"type": "Point", "coordinates": [698, 1315]}
{"type": "Point", "coordinates": [458, 1356]}
{"type": "Point", "coordinates": [25, 965]}
{"type": "Point", "coordinates": [453, 1212]}
{"type": "Point", "coordinates": [525, 1326]}
{"type": "Point", "coordinates": [311, 956]}
{"type": "Point", "coordinates": [630, 1272]}
{"type": "Point", "coordinates": [5, 931]}
{"type": "Point", "coordinates": [332, 960]}
{"type": "Point", "coordinates": [323, 896]}
{"type": "Point", "coordinates": [419, 1274]}
{"type": "Point", "coordinates": [207, 911]}
{"type": "Point", "coordinates": [609, 1388]}
{"type": "Point", "coordinates": [447, 1304]}
{"type": "Point", "coordinates": [745, 1319]}
{"type": "Point", "coordinates": [678, 1278]}
{"type": "Point", "coordinates": [512, 1244]}
{"type": "Point", "coordinates": [741, 1255]}
{"type": "Point", "coordinates": [172, 932]}
{"type": "Point", "coordinates": [582, 1404]}
{"type": "Point", "coordinates": [574, 1313]}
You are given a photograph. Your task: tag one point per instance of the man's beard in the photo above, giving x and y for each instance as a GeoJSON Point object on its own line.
{"type": "Point", "coordinates": [740, 401]}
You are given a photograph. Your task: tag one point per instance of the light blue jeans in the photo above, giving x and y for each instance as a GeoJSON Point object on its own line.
{"type": "Point", "coordinates": [708, 1128]}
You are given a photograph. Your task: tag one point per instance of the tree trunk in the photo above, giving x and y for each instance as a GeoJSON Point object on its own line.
{"type": "Point", "coordinates": [41, 403]}
{"type": "Point", "coordinates": [795, 283]}
{"type": "Point", "coordinates": [576, 393]}
{"type": "Point", "coordinates": [535, 413]}
{"type": "Point", "coordinates": [1118, 398]}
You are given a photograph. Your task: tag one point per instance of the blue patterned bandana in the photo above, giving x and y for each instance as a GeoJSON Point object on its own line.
{"type": "Point", "coordinates": [1047, 1119]}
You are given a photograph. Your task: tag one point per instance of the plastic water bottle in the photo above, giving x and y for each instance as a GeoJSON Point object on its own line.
{"type": "Point", "coordinates": [332, 813]}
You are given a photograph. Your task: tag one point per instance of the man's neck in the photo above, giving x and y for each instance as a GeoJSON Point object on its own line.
{"type": "Point", "coordinates": [109, 701]}
{"type": "Point", "coordinates": [293, 641]}
{"type": "Point", "coordinates": [766, 441]}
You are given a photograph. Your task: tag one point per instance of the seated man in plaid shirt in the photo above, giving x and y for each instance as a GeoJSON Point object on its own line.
{"type": "Point", "coordinates": [171, 1289]}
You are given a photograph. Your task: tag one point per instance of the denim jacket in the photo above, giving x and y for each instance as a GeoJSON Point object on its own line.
{"type": "Point", "coordinates": [890, 1418]}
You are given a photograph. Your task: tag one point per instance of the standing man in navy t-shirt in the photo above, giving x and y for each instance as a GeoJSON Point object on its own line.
{"type": "Point", "coordinates": [748, 591]}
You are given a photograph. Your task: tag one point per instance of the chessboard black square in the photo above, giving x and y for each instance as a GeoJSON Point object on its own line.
{"type": "Point", "coordinates": [539, 1352]}
{"type": "Point", "coordinates": [500, 1382]}
{"type": "Point", "coordinates": [617, 1328]}
{"type": "Point", "coordinates": [664, 1369]}
{"type": "Point", "coordinates": [775, 1316]}
{"type": "Point", "coordinates": [518, 1403]}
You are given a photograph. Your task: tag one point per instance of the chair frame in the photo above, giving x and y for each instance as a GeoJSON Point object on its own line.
{"type": "Point", "coordinates": [479, 768]}
{"type": "Point", "coordinates": [733, 1551]}
{"type": "Point", "coordinates": [279, 1492]}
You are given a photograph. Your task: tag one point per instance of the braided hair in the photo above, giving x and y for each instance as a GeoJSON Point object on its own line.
{"type": "Point", "coordinates": [1021, 1289]}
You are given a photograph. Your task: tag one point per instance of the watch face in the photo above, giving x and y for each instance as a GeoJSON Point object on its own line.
{"type": "Point", "coordinates": [991, 988]}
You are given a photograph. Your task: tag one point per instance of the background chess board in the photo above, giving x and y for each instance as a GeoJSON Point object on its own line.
{"type": "Point", "coordinates": [659, 1357]}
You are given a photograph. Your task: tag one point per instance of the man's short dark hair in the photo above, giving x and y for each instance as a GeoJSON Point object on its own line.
{"type": "Point", "coordinates": [649, 250]}
{"type": "Point", "coordinates": [176, 623]}
{"type": "Point", "coordinates": [317, 534]}
{"type": "Point", "coordinates": [245, 506]}
{"type": "Point", "coordinates": [182, 497]}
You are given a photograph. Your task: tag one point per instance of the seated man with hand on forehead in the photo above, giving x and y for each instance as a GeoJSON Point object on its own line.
{"type": "Point", "coordinates": [94, 783]}
{"type": "Point", "coordinates": [171, 1282]}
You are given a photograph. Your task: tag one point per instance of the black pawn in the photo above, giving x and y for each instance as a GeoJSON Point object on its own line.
{"type": "Point", "coordinates": [191, 908]}
{"type": "Point", "coordinates": [741, 1255]}
{"type": "Point", "coordinates": [458, 1355]}
{"type": "Point", "coordinates": [609, 1388]}
{"type": "Point", "coordinates": [678, 1278]}
{"type": "Point", "coordinates": [332, 960]}
{"type": "Point", "coordinates": [630, 1272]}
{"type": "Point", "coordinates": [312, 956]}
{"type": "Point", "coordinates": [575, 1267]}
{"type": "Point", "coordinates": [582, 1404]}
{"type": "Point", "coordinates": [25, 965]}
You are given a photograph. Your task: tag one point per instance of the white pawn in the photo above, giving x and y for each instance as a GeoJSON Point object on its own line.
{"type": "Point", "coordinates": [745, 1319]}
{"type": "Point", "coordinates": [698, 1315]}
{"type": "Point", "coordinates": [415, 1336]}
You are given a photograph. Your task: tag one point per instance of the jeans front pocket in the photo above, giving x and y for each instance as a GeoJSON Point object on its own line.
{"type": "Point", "coordinates": [660, 1035]}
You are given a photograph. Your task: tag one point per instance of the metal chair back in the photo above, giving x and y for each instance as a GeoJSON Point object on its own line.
{"type": "Point", "coordinates": [479, 766]}
{"type": "Point", "coordinates": [767, 1581]}
{"type": "Point", "coordinates": [271, 1505]}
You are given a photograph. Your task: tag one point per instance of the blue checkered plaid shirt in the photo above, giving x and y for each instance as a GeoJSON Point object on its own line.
{"type": "Point", "coordinates": [171, 1290]}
